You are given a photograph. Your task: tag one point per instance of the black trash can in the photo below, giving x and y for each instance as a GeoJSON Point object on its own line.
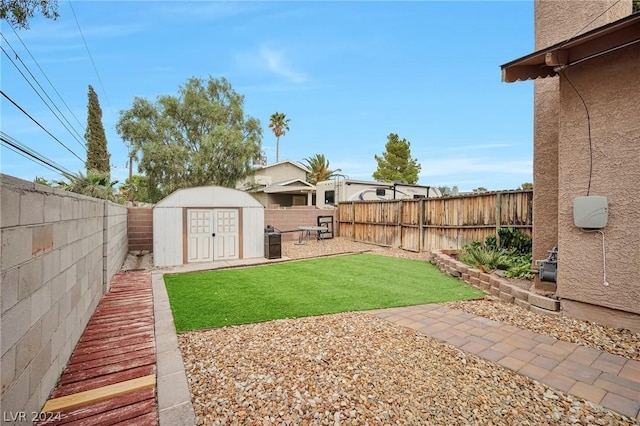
{"type": "Point", "coordinates": [272, 243]}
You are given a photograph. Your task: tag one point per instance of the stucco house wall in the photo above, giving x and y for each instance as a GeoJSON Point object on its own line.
{"type": "Point", "coordinates": [273, 173]}
{"type": "Point", "coordinates": [556, 21]}
{"type": "Point", "coordinates": [561, 166]}
{"type": "Point", "coordinates": [607, 84]}
{"type": "Point", "coordinates": [59, 253]}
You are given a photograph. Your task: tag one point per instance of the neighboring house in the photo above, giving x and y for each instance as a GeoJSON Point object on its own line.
{"type": "Point", "coordinates": [586, 143]}
{"type": "Point", "coordinates": [283, 183]}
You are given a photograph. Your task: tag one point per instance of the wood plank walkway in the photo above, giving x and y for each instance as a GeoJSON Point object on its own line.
{"type": "Point", "coordinates": [117, 345]}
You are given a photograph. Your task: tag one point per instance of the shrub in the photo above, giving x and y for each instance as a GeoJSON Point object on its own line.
{"type": "Point", "coordinates": [484, 258]}
{"type": "Point", "coordinates": [511, 239]}
{"type": "Point", "coordinates": [512, 256]}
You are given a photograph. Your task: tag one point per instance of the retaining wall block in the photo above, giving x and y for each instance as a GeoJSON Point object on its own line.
{"type": "Point", "coordinates": [522, 303]}
{"type": "Point", "coordinates": [462, 267]}
{"type": "Point", "coordinates": [453, 272]}
{"type": "Point", "coordinates": [542, 311]}
{"type": "Point", "coordinates": [494, 291]}
{"type": "Point", "coordinates": [520, 294]}
{"type": "Point", "coordinates": [543, 302]}
{"type": "Point", "coordinates": [484, 277]}
{"type": "Point", "coordinates": [505, 287]}
{"type": "Point", "coordinates": [506, 297]}
{"type": "Point", "coordinates": [473, 272]}
{"type": "Point", "coordinates": [495, 281]}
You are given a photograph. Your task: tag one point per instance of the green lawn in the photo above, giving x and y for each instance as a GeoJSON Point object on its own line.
{"type": "Point", "coordinates": [305, 288]}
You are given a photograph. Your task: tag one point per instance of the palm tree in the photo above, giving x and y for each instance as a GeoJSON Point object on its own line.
{"type": "Point", "coordinates": [319, 167]}
{"type": "Point", "coordinates": [279, 123]}
{"type": "Point", "coordinates": [94, 184]}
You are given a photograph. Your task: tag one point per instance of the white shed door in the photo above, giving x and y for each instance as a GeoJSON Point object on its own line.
{"type": "Point", "coordinates": [227, 232]}
{"type": "Point", "coordinates": [200, 239]}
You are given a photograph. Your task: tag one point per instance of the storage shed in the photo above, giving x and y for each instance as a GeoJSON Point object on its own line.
{"type": "Point", "coordinates": [206, 224]}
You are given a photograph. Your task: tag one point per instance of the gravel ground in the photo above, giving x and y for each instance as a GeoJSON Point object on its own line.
{"type": "Point", "coordinates": [356, 369]}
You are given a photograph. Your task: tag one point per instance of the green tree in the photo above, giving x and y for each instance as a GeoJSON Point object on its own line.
{"type": "Point", "coordinates": [97, 154]}
{"type": "Point", "coordinates": [279, 124]}
{"type": "Point", "coordinates": [18, 12]}
{"type": "Point", "coordinates": [200, 137]}
{"type": "Point", "coordinates": [396, 164]}
{"type": "Point", "coordinates": [319, 167]}
{"type": "Point", "coordinates": [527, 185]}
{"type": "Point", "coordinates": [137, 188]}
{"type": "Point", "coordinates": [636, 6]}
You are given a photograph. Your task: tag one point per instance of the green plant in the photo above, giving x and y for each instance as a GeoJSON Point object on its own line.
{"type": "Point", "coordinates": [511, 239]}
{"type": "Point", "coordinates": [512, 255]}
{"type": "Point", "coordinates": [520, 267]}
{"type": "Point", "coordinates": [483, 257]}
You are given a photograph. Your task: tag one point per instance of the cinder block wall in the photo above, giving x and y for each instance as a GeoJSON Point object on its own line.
{"type": "Point", "coordinates": [290, 218]}
{"type": "Point", "coordinates": [140, 228]}
{"type": "Point", "coordinates": [59, 252]}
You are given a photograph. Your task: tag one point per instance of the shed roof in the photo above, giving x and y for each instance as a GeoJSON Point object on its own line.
{"type": "Point", "coordinates": [209, 196]}
{"type": "Point", "coordinates": [546, 62]}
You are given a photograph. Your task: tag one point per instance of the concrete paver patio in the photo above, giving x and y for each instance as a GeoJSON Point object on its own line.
{"type": "Point", "coordinates": [609, 380]}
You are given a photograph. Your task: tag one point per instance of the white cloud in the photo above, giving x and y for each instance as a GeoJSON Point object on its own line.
{"type": "Point", "coordinates": [271, 60]}
{"type": "Point", "coordinates": [276, 62]}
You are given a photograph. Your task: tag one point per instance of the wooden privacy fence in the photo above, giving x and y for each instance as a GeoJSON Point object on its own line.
{"type": "Point", "coordinates": [435, 223]}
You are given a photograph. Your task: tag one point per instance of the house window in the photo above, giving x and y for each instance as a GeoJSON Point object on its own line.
{"type": "Point", "coordinates": [330, 197]}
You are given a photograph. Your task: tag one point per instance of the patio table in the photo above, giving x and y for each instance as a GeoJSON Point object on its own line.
{"type": "Point", "coordinates": [305, 233]}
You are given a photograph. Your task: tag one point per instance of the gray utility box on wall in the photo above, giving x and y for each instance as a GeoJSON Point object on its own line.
{"type": "Point", "coordinates": [272, 243]}
{"type": "Point", "coordinates": [590, 212]}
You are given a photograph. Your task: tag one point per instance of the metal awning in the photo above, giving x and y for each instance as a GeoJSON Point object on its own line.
{"type": "Point", "coordinates": [544, 63]}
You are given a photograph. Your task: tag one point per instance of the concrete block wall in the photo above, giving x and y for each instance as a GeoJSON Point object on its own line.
{"type": "Point", "coordinates": [290, 218]}
{"type": "Point", "coordinates": [55, 258]}
{"type": "Point", "coordinates": [115, 240]}
{"type": "Point", "coordinates": [140, 228]}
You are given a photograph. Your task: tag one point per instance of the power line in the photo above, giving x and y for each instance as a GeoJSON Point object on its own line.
{"type": "Point", "coordinates": [78, 138]}
{"type": "Point", "coordinates": [40, 125]}
{"type": "Point", "coordinates": [90, 57]}
{"type": "Point", "coordinates": [590, 22]}
{"type": "Point", "coordinates": [45, 75]}
{"type": "Point", "coordinates": [30, 154]}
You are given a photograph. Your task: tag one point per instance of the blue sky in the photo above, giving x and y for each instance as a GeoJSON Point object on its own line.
{"type": "Point", "coordinates": [346, 73]}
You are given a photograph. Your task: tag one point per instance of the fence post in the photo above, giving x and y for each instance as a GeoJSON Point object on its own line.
{"type": "Point", "coordinates": [420, 229]}
{"type": "Point", "coordinates": [399, 225]}
{"type": "Point", "coordinates": [353, 221]}
{"type": "Point", "coordinates": [498, 216]}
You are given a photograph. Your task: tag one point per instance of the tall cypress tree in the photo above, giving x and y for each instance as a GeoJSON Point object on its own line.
{"type": "Point", "coordinates": [97, 155]}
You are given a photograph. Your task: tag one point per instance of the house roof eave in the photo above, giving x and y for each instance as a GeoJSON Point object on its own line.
{"type": "Point", "coordinates": [546, 62]}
